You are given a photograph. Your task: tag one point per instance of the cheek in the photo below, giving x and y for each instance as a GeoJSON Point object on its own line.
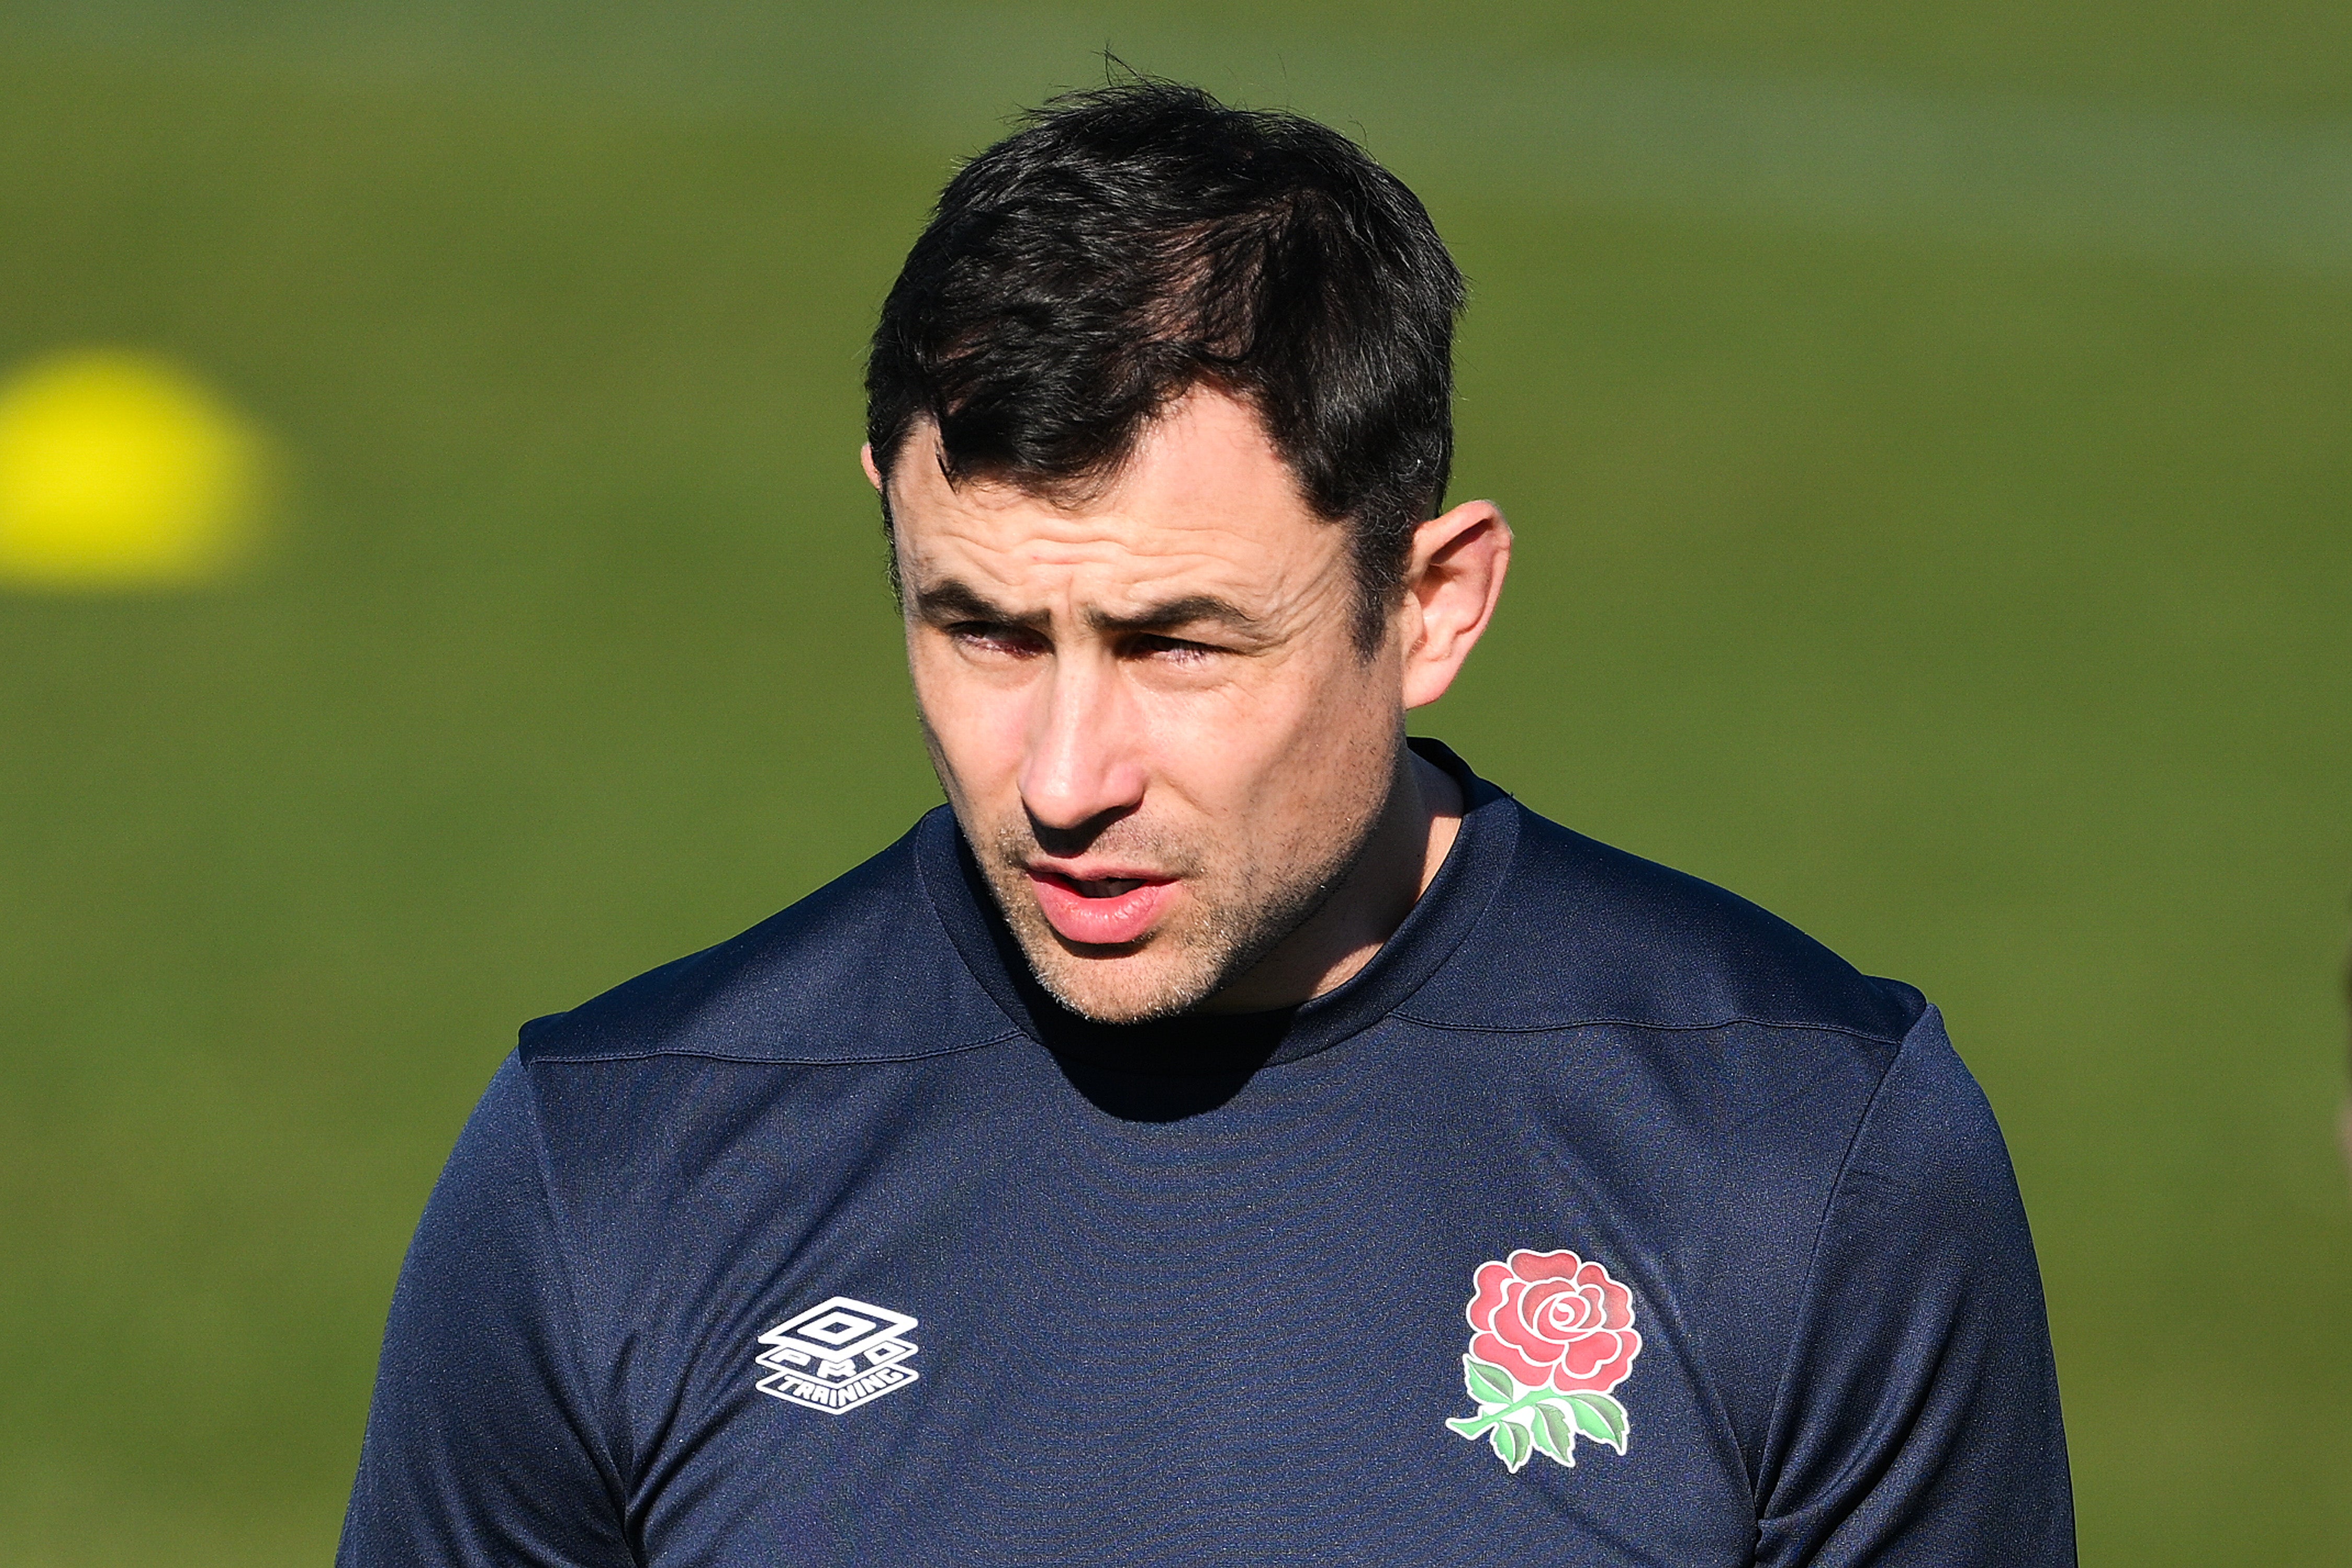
{"type": "Point", "coordinates": [1346, 721]}
{"type": "Point", "coordinates": [974, 726]}
{"type": "Point", "coordinates": [1297, 749]}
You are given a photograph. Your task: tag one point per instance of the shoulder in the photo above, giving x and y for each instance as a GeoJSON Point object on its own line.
{"type": "Point", "coordinates": [859, 971]}
{"type": "Point", "coordinates": [1581, 933]}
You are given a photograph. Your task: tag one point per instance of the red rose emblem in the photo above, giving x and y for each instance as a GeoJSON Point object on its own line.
{"type": "Point", "coordinates": [1552, 1318]}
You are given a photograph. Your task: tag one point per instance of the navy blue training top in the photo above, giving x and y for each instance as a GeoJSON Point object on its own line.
{"type": "Point", "coordinates": [1602, 1218]}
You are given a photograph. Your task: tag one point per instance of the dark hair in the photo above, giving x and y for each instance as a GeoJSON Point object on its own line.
{"type": "Point", "coordinates": [1137, 240]}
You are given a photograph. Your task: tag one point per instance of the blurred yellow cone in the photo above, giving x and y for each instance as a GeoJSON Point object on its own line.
{"type": "Point", "coordinates": [118, 471]}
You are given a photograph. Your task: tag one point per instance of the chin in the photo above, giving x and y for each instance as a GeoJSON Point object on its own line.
{"type": "Point", "coordinates": [1131, 988]}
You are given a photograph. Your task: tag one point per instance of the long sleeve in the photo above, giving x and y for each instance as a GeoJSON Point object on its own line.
{"type": "Point", "coordinates": [483, 1447]}
{"type": "Point", "coordinates": [1918, 1420]}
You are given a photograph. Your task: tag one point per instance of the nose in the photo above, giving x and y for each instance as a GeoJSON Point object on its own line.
{"type": "Point", "coordinates": [1081, 770]}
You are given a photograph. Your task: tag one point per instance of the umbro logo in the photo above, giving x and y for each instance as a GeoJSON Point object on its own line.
{"type": "Point", "coordinates": [839, 1354]}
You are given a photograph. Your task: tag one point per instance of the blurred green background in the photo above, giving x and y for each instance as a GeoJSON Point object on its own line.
{"type": "Point", "coordinates": [1926, 432]}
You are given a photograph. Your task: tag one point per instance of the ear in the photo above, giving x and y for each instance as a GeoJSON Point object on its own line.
{"type": "Point", "coordinates": [1453, 578]}
{"type": "Point", "coordinates": [865, 461]}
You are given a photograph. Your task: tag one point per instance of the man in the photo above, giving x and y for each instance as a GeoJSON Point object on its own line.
{"type": "Point", "coordinates": [1228, 1132]}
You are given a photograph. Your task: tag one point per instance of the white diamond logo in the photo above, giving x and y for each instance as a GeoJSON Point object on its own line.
{"type": "Point", "coordinates": [839, 1354]}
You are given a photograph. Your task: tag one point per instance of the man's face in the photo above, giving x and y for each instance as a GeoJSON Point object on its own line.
{"type": "Point", "coordinates": [1147, 709]}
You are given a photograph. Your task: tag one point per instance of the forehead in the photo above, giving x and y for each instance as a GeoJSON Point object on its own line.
{"type": "Point", "coordinates": [1204, 498]}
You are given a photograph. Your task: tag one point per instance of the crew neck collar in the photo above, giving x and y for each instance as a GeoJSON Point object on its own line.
{"type": "Point", "coordinates": [1216, 1043]}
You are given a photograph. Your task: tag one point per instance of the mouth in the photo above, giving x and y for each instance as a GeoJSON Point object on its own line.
{"type": "Point", "coordinates": [1100, 910]}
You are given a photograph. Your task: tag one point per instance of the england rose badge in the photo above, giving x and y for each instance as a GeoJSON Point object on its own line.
{"type": "Point", "coordinates": [1551, 1335]}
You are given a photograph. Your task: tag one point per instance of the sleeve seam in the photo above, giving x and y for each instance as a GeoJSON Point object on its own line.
{"type": "Point", "coordinates": [1874, 1037]}
{"type": "Point", "coordinates": [618, 1473]}
{"type": "Point", "coordinates": [706, 1053]}
{"type": "Point", "coordinates": [1805, 1290]}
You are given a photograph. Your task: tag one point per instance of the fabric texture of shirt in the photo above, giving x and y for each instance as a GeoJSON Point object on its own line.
{"type": "Point", "coordinates": [1207, 1292]}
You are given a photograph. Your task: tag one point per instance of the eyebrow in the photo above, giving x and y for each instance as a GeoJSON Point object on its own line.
{"type": "Point", "coordinates": [1168, 613]}
{"type": "Point", "coordinates": [951, 600]}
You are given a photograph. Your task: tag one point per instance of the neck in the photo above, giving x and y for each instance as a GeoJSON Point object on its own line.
{"type": "Point", "coordinates": [1408, 842]}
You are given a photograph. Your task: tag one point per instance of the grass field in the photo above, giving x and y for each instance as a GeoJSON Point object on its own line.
{"type": "Point", "coordinates": [1928, 433]}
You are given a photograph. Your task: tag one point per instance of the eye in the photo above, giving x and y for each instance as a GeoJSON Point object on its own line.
{"type": "Point", "coordinates": [994, 638]}
{"type": "Point", "coordinates": [1172, 650]}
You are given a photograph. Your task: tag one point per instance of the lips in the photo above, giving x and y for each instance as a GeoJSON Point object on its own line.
{"type": "Point", "coordinates": [1102, 912]}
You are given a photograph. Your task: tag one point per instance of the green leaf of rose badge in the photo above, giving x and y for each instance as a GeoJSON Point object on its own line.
{"type": "Point", "coordinates": [1550, 1336]}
